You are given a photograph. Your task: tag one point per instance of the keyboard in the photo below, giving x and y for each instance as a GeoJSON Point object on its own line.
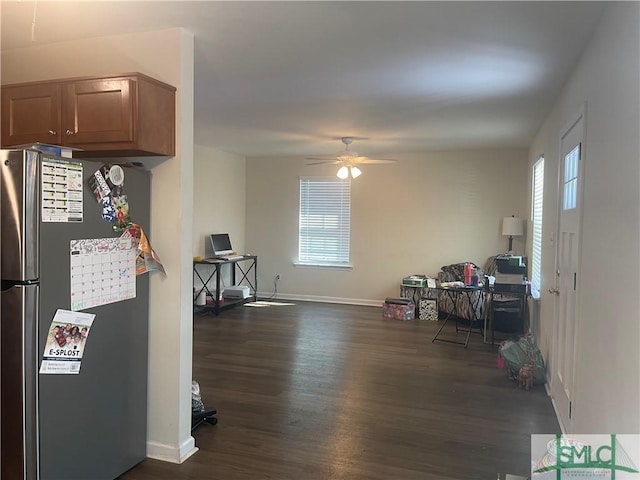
{"type": "Point", "coordinates": [231, 257]}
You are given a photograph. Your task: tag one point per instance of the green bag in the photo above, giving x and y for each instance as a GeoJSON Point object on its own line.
{"type": "Point", "coordinates": [514, 355]}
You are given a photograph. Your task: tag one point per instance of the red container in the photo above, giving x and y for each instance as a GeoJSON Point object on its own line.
{"type": "Point", "coordinates": [468, 271]}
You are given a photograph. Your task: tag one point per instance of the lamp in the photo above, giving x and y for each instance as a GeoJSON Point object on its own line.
{"type": "Point", "coordinates": [511, 227]}
{"type": "Point", "coordinates": [345, 171]}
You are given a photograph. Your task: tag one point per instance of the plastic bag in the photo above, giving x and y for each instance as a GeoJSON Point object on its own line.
{"type": "Point", "coordinates": [514, 356]}
{"type": "Point", "coordinates": [197, 405]}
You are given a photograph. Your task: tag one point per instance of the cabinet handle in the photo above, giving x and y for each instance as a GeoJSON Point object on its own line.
{"type": "Point", "coordinates": [52, 132]}
{"type": "Point", "coordinates": [68, 132]}
{"type": "Point", "coordinates": [554, 291]}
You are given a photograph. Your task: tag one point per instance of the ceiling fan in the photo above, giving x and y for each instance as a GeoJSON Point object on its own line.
{"type": "Point", "coordinates": [348, 159]}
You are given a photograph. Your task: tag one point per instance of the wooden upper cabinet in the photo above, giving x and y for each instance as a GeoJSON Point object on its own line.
{"type": "Point", "coordinates": [128, 115]}
{"type": "Point", "coordinates": [31, 113]}
{"type": "Point", "coordinates": [99, 111]}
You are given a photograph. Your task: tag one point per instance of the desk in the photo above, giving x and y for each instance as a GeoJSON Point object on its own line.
{"type": "Point", "coordinates": [243, 266]}
{"type": "Point", "coordinates": [452, 292]}
{"type": "Point", "coordinates": [508, 304]}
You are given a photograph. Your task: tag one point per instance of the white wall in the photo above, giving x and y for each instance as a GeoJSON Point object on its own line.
{"type": "Point", "coordinates": [168, 56]}
{"type": "Point", "coordinates": [219, 206]}
{"type": "Point", "coordinates": [607, 78]}
{"type": "Point", "coordinates": [428, 210]}
{"type": "Point", "coordinates": [219, 197]}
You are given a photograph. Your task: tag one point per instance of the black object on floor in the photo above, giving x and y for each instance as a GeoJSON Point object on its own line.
{"type": "Point", "coordinates": [206, 416]}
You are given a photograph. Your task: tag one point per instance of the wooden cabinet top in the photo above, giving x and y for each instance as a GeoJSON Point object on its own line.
{"type": "Point", "coordinates": [129, 115]}
{"type": "Point", "coordinates": [94, 77]}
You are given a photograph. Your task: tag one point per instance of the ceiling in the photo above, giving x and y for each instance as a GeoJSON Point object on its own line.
{"type": "Point", "coordinates": [290, 78]}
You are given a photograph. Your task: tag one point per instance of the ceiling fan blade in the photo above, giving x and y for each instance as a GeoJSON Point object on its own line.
{"type": "Point", "coordinates": [325, 162]}
{"type": "Point", "coordinates": [347, 157]}
{"type": "Point", "coordinates": [373, 160]}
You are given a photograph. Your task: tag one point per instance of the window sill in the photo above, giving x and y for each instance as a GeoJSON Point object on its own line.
{"type": "Point", "coordinates": [338, 266]}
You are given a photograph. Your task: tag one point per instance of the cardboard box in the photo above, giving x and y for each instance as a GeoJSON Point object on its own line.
{"type": "Point", "coordinates": [415, 281]}
{"type": "Point", "coordinates": [398, 300]}
{"type": "Point", "coordinates": [513, 278]}
{"type": "Point", "coordinates": [396, 311]}
{"type": "Point", "coordinates": [428, 309]}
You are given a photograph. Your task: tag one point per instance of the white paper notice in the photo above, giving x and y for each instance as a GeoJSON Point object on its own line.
{"type": "Point", "coordinates": [65, 343]}
{"type": "Point", "coordinates": [61, 190]}
{"type": "Point", "coordinates": [103, 270]}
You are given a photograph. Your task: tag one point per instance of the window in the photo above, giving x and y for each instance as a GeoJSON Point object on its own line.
{"type": "Point", "coordinates": [536, 221]}
{"type": "Point", "coordinates": [325, 221]}
{"type": "Point", "coordinates": [570, 181]}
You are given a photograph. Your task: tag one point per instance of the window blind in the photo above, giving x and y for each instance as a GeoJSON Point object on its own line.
{"type": "Point", "coordinates": [536, 221]}
{"type": "Point", "coordinates": [325, 221]}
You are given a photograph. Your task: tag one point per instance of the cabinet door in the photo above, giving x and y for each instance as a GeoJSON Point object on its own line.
{"type": "Point", "coordinates": [31, 113]}
{"type": "Point", "coordinates": [99, 111]}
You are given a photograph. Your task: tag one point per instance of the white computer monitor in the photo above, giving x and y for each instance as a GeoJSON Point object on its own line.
{"type": "Point", "coordinates": [220, 244]}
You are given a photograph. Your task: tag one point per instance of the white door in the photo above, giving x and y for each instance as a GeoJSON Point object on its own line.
{"type": "Point", "coordinates": [567, 279]}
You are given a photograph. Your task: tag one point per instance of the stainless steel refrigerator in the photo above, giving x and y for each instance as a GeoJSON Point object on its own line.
{"type": "Point", "coordinates": [87, 426]}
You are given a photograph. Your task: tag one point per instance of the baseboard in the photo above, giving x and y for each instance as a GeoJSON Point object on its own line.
{"type": "Point", "coordinates": [316, 298]}
{"type": "Point", "coordinates": [547, 387]}
{"type": "Point", "coordinates": [170, 453]}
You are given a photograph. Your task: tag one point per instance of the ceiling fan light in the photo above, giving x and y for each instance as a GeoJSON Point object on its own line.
{"type": "Point", "coordinates": [343, 173]}
{"type": "Point", "coordinates": [355, 172]}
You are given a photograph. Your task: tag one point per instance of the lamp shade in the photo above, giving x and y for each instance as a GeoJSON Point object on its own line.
{"type": "Point", "coordinates": [512, 226]}
{"type": "Point", "coordinates": [343, 173]}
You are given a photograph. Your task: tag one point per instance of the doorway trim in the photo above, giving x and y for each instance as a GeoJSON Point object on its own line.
{"type": "Point", "coordinates": [575, 118]}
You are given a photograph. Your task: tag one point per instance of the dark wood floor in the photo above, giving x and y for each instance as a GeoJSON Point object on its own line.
{"type": "Point", "coordinates": [319, 391]}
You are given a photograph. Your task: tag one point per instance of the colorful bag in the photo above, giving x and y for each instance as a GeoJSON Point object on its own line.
{"type": "Point", "coordinates": [515, 355]}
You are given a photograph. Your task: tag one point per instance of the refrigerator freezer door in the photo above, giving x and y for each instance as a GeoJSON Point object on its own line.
{"type": "Point", "coordinates": [18, 369]}
{"type": "Point", "coordinates": [98, 416]}
{"type": "Point", "coordinates": [20, 214]}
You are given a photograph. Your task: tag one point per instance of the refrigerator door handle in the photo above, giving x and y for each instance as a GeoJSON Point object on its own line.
{"type": "Point", "coordinates": [20, 214]}
{"type": "Point", "coordinates": [19, 375]}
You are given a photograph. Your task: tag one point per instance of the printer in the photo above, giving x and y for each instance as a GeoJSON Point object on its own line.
{"type": "Point", "coordinates": [510, 275]}
{"type": "Point", "coordinates": [236, 292]}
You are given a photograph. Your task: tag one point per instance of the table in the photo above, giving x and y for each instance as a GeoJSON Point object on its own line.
{"type": "Point", "coordinates": [238, 265]}
{"type": "Point", "coordinates": [508, 308]}
{"type": "Point", "coordinates": [453, 292]}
